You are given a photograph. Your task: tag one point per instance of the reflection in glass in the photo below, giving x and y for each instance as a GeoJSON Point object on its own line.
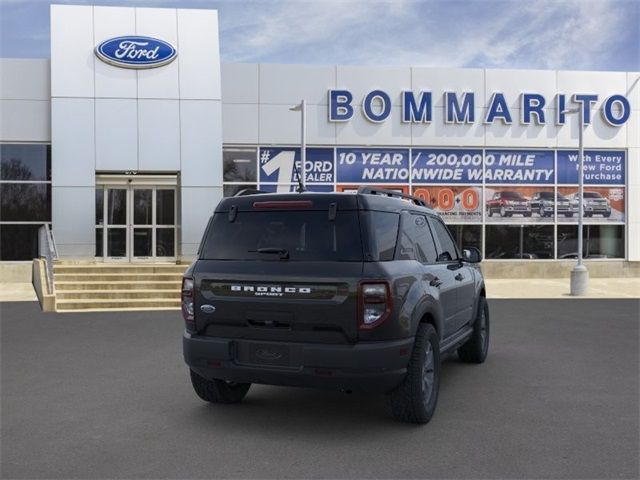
{"type": "Point", "coordinates": [117, 206]}
{"type": "Point", "coordinates": [467, 235]}
{"type": "Point", "coordinates": [142, 206]}
{"type": "Point", "coordinates": [165, 242]}
{"type": "Point", "coordinates": [165, 206]}
{"type": "Point", "coordinates": [240, 164]}
{"type": "Point", "coordinates": [117, 242]}
{"type": "Point", "coordinates": [99, 241]}
{"type": "Point", "coordinates": [18, 242]}
{"type": "Point", "coordinates": [25, 202]}
{"type": "Point", "coordinates": [25, 162]}
{"type": "Point", "coordinates": [99, 206]}
{"type": "Point", "coordinates": [142, 242]}
{"type": "Point", "coordinates": [599, 241]}
{"type": "Point", "coordinates": [519, 241]}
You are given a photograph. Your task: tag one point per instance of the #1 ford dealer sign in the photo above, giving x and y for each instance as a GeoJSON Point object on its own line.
{"type": "Point", "coordinates": [135, 51]}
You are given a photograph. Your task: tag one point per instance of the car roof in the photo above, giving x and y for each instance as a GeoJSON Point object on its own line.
{"type": "Point", "coordinates": [322, 201]}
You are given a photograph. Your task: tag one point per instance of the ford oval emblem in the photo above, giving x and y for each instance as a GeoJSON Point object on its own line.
{"type": "Point", "coordinates": [207, 308]}
{"type": "Point", "coordinates": [134, 51]}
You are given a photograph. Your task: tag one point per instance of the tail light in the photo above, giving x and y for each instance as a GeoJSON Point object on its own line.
{"type": "Point", "coordinates": [374, 304]}
{"type": "Point", "coordinates": [187, 303]}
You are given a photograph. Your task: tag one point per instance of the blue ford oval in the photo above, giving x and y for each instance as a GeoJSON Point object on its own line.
{"type": "Point", "coordinates": [134, 51]}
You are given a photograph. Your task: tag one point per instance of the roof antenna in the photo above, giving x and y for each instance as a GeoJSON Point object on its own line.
{"type": "Point", "coordinates": [301, 188]}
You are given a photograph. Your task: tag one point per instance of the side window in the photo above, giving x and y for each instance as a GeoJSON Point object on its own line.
{"type": "Point", "coordinates": [416, 242]}
{"type": "Point", "coordinates": [383, 228]}
{"type": "Point", "coordinates": [447, 251]}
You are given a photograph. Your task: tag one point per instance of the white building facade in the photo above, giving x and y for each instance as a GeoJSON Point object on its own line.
{"type": "Point", "coordinates": [127, 164]}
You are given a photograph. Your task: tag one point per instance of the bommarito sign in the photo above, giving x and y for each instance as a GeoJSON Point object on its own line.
{"type": "Point", "coordinates": [417, 107]}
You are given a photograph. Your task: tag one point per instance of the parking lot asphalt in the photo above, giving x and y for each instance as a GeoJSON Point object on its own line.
{"type": "Point", "coordinates": [107, 395]}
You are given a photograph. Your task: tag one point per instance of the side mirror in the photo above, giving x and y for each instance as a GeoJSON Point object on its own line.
{"type": "Point", "coordinates": [471, 255]}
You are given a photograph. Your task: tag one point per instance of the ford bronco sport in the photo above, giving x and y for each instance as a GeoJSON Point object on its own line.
{"type": "Point", "coordinates": [355, 292]}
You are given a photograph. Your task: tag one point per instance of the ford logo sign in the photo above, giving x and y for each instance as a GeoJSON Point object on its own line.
{"type": "Point", "coordinates": [136, 52]}
{"type": "Point", "coordinates": [207, 308]}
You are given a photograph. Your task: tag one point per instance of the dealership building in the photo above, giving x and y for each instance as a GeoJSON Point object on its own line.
{"type": "Point", "coordinates": [124, 141]}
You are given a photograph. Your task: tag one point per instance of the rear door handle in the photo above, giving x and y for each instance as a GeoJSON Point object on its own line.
{"type": "Point", "coordinates": [435, 282]}
{"type": "Point", "coordinates": [459, 277]}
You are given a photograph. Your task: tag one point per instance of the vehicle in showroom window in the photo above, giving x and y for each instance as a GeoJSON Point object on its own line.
{"type": "Point", "coordinates": [543, 204]}
{"type": "Point", "coordinates": [354, 292]}
{"type": "Point", "coordinates": [507, 203]}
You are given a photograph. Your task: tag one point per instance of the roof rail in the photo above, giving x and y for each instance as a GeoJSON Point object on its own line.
{"type": "Point", "coordinates": [368, 190]}
{"type": "Point", "coordinates": [248, 191]}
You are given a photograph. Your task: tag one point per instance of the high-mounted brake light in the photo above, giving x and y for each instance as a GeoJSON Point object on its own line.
{"type": "Point", "coordinates": [187, 303]}
{"type": "Point", "coordinates": [283, 204]}
{"type": "Point", "coordinates": [374, 304]}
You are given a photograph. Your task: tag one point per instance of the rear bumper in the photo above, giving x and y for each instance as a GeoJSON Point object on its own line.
{"type": "Point", "coordinates": [366, 366]}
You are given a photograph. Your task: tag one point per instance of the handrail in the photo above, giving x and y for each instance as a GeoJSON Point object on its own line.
{"type": "Point", "coordinates": [48, 250]}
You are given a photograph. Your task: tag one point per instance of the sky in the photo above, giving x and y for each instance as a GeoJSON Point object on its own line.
{"type": "Point", "coordinates": [538, 34]}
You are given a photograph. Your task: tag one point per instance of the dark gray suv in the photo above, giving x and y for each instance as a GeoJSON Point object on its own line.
{"type": "Point", "coordinates": [364, 292]}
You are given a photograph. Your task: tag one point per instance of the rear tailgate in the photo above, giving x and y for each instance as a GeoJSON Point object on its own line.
{"type": "Point", "coordinates": [278, 300]}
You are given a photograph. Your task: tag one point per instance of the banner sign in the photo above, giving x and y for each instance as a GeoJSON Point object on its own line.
{"type": "Point", "coordinates": [278, 165]}
{"type": "Point", "coordinates": [439, 165]}
{"type": "Point", "coordinates": [518, 166]}
{"type": "Point", "coordinates": [372, 165]}
{"type": "Point", "coordinates": [601, 167]}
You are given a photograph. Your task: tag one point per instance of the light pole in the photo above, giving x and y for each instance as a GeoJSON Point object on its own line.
{"type": "Point", "coordinates": [301, 107]}
{"type": "Point", "coordinates": [580, 274]}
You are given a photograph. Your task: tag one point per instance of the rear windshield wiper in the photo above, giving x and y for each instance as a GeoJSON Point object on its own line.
{"type": "Point", "coordinates": [283, 252]}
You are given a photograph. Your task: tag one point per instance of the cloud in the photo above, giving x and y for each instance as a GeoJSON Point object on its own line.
{"type": "Point", "coordinates": [547, 34]}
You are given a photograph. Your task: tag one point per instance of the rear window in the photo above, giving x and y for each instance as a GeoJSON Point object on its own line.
{"type": "Point", "coordinates": [304, 235]}
{"type": "Point", "coordinates": [383, 233]}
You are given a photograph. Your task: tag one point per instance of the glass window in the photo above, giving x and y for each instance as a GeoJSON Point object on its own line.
{"type": "Point", "coordinates": [231, 190]}
{"type": "Point", "coordinates": [165, 242]}
{"type": "Point", "coordinates": [117, 206]}
{"type": "Point", "coordinates": [448, 251]}
{"type": "Point", "coordinates": [142, 206]}
{"type": "Point", "coordinates": [519, 241]}
{"type": "Point", "coordinates": [165, 206]}
{"type": "Point", "coordinates": [25, 202]}
{"type": "Point", "coordinates": [99, 241]}
{"type": "Point", "coordinates": [383, 228]}
{"type": "Point", "coordinates": [239, 164]}
{"type": "Point", "coordinates": [416, 242]}
{"type": "Point", "coordinates": [298, 235]}
{"type": "Point", "coordinates": [598, 241]}
{"type": "Point", "coordinates": [18, 242]}
{"type": "Point", "coordinates": [99, 206]}
{"type": "Point", "coordinates": [466, 235]}
{"type": "Point", "coordinates": [25, 162]}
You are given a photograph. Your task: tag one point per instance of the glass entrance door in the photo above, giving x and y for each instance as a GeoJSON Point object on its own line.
{"type": "Point", "coordinates": [136, 223]}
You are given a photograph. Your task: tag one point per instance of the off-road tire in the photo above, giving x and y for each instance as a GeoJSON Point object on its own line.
{"type": "Point", "coordinates": [528, 214]}
{"type": "Point", "coordinates": [218, 391]}
{"type": "Point", "coordinates": [475, 349]}
{"type": "Point", "coordinates": [606, 214]}
{"type": "Point", "coordinates": [408, 401]}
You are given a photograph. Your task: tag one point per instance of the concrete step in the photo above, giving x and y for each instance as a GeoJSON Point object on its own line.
{"type": "Point", "coordinates": [64, 305]}
{"type": "Point", "coordinates": [117, 294]}
{"type": "Point", "coordinates": [117, 277]}
{"type": "Point", "coordinates": [97, 284]}
{"type": "Point", "coordinates": [98, 269]}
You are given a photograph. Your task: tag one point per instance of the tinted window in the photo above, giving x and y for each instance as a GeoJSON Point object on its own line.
{"type": "Point", "coordinates": [239, 164]}
{"type": "Point", "coordinates": [598, 241]}
{"type": "Point", "coordinates": [383, 233]}
{"type": "Point", "coordinates": [466, 235]}
{"type": "Point", "coordinates": [592, 195]}
{"type": "Point", "coordinates": [25, 202]}
{"type": "Point", "coordinates": [447, 250]}
{"type": "Point", "coordinates": [305, 235]}
{"type": "Point", "coordinates": [18, 242]}
{"type": "Point", "coordinates": [416, 242]}
{"type": "Point", "coordinates": [519, 241]}
{"type": "Point", "coordinates": [25, 162]}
